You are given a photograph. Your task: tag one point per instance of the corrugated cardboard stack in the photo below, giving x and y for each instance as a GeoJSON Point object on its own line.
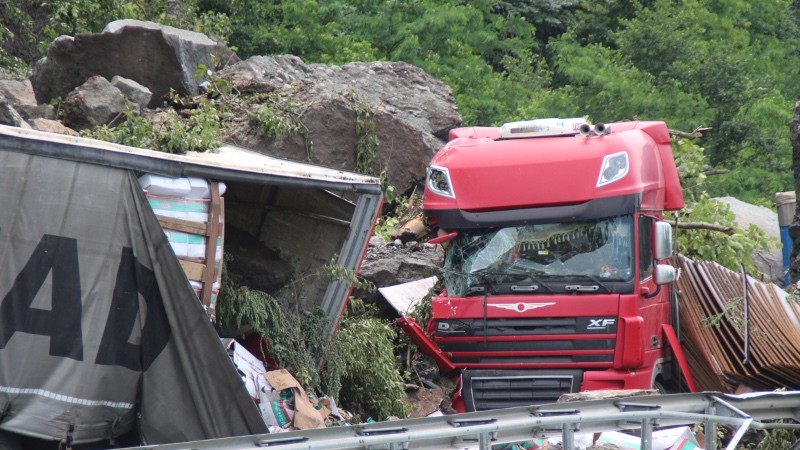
{"type": "Point", "coordinates": [192, 213]}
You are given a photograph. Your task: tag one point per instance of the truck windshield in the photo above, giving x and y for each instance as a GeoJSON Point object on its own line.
{"type": "Point", "coordinates": [597, 251]}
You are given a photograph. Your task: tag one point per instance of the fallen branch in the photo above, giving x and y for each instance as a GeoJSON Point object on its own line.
{"type": "Point", "coordinates": [703, 226]}
{"type": "Point", "coordinates": [714, 171]}
{"type": "Point", "coordinates": [697, 133]}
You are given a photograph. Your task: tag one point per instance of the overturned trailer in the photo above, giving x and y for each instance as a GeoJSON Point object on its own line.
{"type": "Point", "coordinates": [101, 335]}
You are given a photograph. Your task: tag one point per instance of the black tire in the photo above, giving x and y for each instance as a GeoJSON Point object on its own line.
{"type": "Point", "coordinates": [9, 441]}
{"type": "Point", "coordinates": [662, 387]}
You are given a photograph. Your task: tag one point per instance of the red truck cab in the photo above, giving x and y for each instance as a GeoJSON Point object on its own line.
{"type": "Point", "coordinates": [555, 274]}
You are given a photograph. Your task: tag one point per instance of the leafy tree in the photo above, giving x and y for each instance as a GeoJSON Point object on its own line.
{"type": "Point", "coordinates": [547, 16]}
{"type": "Point", "coordinates": [28, 26]}
{"type": "Point", "coordinates": [606, 86]}
{"type": "Point", "coordinates": [728, 249]}
{"type": "Point", "coordinates": [595, 22]}
{"type": "Point", "coordinates": [728, 54]}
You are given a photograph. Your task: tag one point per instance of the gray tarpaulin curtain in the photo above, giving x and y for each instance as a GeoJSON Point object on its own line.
{"type": "Point", "coordinates": [97, 321]}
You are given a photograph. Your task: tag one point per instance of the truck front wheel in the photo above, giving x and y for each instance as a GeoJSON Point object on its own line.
{"type": "Point", "coordinates": [663, 387]}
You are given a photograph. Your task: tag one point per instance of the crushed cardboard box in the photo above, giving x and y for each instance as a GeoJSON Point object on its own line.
{"type": "Point", "coordinates": [305, 415]}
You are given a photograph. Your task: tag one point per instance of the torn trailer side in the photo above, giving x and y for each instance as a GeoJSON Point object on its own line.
{"type": "Point", "coordinates": [101, 334]}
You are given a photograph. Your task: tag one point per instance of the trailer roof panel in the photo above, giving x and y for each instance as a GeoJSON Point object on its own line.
{"type": "Point", "coordinates": [229, 163]}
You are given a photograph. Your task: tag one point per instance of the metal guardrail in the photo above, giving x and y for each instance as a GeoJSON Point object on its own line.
{"type": "Point", "coordinates": [481, 430]}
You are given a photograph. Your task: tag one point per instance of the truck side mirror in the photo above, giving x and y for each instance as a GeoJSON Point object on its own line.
{"type": "Point", "coordinates": [663, 240]}
{"type": "Point", "coordinates": [664, 274]}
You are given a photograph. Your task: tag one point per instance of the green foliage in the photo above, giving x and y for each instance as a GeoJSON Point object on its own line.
{"type": "Point", "coordinates": [606, 86]}
{"type": "Point", "coordinates": [298, 341]}
{"type": "Point", "coordinates": [385, 227]}
{"type": "Point", "coordinates": [730, 250]}
{"type": "Point", "coordinates": [217, 87]}
{"type": "Point", "coordinates": [29, 26]}
{"type": "Point", "coordinates": [422, 311]}
{"type": "Point", "coordinates": [360, 366]}
{"type": "Point", "coordinates": [308, 28]}
{"type": "Point", "coordinates": [278, 117]}
{"type": "Point", "coordinates": [198, 133]}
{"type": "Point", "coordinates": [388, 190]}
{"type": "Point", "coordinates": [731, 66]}
{"type": "Point", "coordinates": [372, 381]}
{"type": "Point", "coordinates": [275, 122]}
{"type": "Point", "coordinates": [134, 131]}
{"type": "Point", "coordinates": [172, 134]}
{"type": "Point", "coordinates": [359, 362]}
{"type": "Point", "coordinates": [368, 142]}
{"type": "Point", "coordinates": [778, 439]}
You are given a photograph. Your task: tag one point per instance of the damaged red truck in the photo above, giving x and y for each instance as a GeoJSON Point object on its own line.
{"type": "Point", "coordinates": [557, 275]}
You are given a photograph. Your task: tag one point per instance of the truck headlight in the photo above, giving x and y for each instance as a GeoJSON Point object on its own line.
{"type": "Point", "coordinates": [614, 167]}
{"type": "Point", "coordinates": [439, 181]}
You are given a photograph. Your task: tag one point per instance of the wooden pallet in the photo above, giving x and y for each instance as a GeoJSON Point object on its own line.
{"type": "Point", "coordinates": [207, 272]}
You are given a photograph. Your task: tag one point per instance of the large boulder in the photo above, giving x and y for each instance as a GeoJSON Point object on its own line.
{"type": "Point", "coordinates": [156, 56]}
{"type": "Point", "coordinates": [411, 113]}
{"type": "Point", "coordinates": [368, 117]}
{"type": "Point", "coordinates": [95, 102]}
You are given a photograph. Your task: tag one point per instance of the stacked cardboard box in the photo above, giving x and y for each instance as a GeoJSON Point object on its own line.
{"type": "Point", "coordinates": [191, 211]}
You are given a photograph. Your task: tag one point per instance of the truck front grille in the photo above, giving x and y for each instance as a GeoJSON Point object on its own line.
{"type": "Point", "coordinates": [531, 342]}
{"type": "Point", "coordinates": [494, 389]}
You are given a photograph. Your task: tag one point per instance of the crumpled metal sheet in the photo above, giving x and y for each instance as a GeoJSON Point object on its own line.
{"type": "Point", "coordinates": [730, 346]}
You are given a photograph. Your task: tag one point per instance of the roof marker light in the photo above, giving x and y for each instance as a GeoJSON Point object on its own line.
{"type": "Point", "coordinates": [541, 128]}
{"type": "Point", "coordinates": [613, 168]}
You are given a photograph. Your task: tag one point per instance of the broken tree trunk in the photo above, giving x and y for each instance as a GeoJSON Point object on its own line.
{"type": "Point", "coordinates": [794, 228]}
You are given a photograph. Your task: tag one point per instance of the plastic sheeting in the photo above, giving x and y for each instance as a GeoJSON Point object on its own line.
{"type": "Point", "coordinates": [100, 332]}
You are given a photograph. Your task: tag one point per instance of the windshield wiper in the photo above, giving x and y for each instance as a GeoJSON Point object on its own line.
{"type": "Point", "coordinates": [484, 281]}
{"type": "Point", "coordinates": [477, 289]}
{"type": "Point", "coordinates": [589, 288]}
{"type": "Point", "coordinates": [531, 284]}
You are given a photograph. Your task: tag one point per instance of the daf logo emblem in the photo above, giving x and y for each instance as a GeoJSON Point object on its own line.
{"type": "Point", "coordinates": [520, 307]}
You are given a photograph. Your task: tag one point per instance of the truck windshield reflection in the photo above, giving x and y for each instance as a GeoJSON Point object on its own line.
{"type": "Point", "coordinates": [594, 251]}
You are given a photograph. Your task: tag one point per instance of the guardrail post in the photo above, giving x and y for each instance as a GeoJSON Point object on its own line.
{"type": "Point", "coordinates": [710, 427]}
{"type": "Point", "coordinates": [647, 434]}
{"type": "Point", "coordinates": [567, 436]}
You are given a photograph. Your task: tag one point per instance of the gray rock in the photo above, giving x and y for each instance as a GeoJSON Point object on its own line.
{"type": "Point", "coordinates": [411, 111]}
{"type": "Point", "coordinates": [156, 56]}
{"type": "Point", "coordinates": [137, 94]}
{"type": "Point", "coordinates": [19, 94]}
{"type": "Point", "coordinates": [10, 116]}
{"type": "Point", "coordinates": [96, 102]}
{"type": "Point", "coordinates": [770, 262]}
{"type": "Point", "coordinates": [388, 265]}
{"type": "Point", "coordinates": [266, 74]}
{"type": "Point", "coordinates": [51, 126]}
